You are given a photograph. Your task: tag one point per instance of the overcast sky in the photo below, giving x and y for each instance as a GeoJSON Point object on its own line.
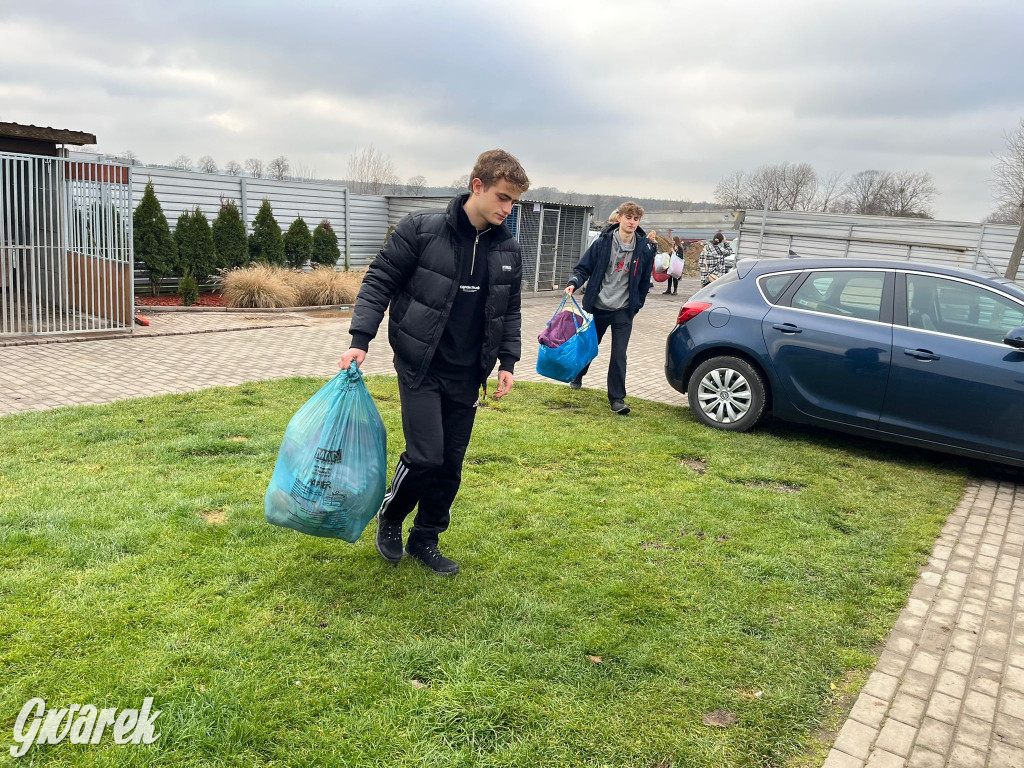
{"type": "Point", "coordinates": [656, 99]}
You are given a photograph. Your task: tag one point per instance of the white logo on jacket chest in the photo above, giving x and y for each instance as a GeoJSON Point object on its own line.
{"type": "Point", "coordinates": [506, 268]}
{"type": "Point", "coordinates": [469, 288]}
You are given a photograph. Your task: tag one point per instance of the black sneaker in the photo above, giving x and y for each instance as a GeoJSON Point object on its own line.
{"type": "Point", "coordinates": [430, 556]}
{"type": "Point", "coordinates": [388, 540]}
{"type": "Point", "coordinates": [619, 407]}
{"type": "Point", "coordinates": [576, 383]}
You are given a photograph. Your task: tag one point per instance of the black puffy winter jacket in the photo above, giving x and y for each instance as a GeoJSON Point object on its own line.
{"type": "Point", "coordinates": [594, 262]}
{"type": "Point", "coordinates": [416, 276]}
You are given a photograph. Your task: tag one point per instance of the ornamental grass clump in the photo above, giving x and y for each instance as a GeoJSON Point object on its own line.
{"type": "Point", "coordinates": [326, 286]}
{"type": "Point", "coordinates": [259, 287]}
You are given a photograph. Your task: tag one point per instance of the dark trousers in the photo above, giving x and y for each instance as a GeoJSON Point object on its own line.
{"type": "Point", "coordinates": [621, 323]}
{"type": "Point", "coordinates": [672, 285]}
{"type": "Point", "coordinates": [437, 419]}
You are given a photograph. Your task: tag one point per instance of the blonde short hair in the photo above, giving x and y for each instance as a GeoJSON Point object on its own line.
{"type": "Point", "coordinates": [630, 209]}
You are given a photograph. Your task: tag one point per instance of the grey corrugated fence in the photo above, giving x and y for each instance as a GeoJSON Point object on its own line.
{"type": "Point", "coordinates": [983, 247]}
{"type": "Point", "coordinates": [361, 221]}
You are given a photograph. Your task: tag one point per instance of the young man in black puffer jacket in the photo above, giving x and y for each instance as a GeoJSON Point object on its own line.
{"type": "Point", "coordinates": [617, 270]}
{"type": "Point", "coordinates": [451, 282]}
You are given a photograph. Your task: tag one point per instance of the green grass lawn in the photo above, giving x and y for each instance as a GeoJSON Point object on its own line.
{"type": "Point", "coordinates": [135, 561]}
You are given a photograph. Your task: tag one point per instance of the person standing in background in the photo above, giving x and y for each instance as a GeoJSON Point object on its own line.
{"type": "Point", "coordinates": [672, 283]}
{"type": "Point", "coordinates": [712, 259]}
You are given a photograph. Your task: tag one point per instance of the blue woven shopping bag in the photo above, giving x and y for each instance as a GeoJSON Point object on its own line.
{"type": "Point", "coordinates": [564, 362]}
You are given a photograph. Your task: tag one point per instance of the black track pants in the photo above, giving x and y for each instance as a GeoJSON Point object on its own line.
{"type": "Point", "coordinates": [437, 419]}
{"type": "Point", "coordinates": [621, 323]}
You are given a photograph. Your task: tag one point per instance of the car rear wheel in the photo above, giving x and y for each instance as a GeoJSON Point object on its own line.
{"type": "Point", "coordinates": [726, 393]}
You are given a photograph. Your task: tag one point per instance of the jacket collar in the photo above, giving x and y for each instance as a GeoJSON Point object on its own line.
{"type": "Point", "coordinates": [451, 215]}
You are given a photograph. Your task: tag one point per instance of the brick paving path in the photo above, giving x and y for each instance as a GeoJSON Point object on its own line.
{"type": "Point", "coordinates": [949, 687]}
{"type": "Point", "coordinates": [159, 359]}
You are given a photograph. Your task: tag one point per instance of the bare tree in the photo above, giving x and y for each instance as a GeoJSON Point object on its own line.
{"type": "Point", "coordinates": [1007, 213]}
{"type": "Point", "coordinates": [182, 162]}
{"type": "Point", "coordinates": [278, 167]}
{"type": "Point", "coordinates": [129, 157]}
{"type": "Point", "coordinates": [254, 166]}
{"type": "Point", "coordinates": [371, 171]}
{"type": "Point", "coordinates": [798, 186]}
{"type": "Point", "coordinates": [731, 191]}
{"type": "Point", "coordinates": [764, 188]}
{"type": "Point", "coordinates": [304, 172]}
{"type": "Point", "coordinates": [865, 192]}
{"type": "Point", "coordinates": [460, 184]}
{"type": "Point", "coordinates": [415, 185]}
{"type": "Point", "coordinates": [830, 192]}
{"type": "Point", "coordinates": [1009, 176]}
{"type": "Point", "coordinates": [909, 194]}
{"type": "Point", "coordinates": [232, 167]}
{"type": "Point", "coordinates": [207, 164]}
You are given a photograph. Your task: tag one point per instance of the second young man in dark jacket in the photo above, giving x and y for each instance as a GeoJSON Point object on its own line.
{"type": "Point", "coordinates": [451, 282]}
{"type": "Point", "coordinates": [617, 269]}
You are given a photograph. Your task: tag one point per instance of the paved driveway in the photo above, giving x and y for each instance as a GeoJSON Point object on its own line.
{"type": "Point", "coordinates": [218, 348]}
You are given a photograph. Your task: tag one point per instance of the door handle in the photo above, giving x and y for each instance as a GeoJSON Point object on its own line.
{"type": "Point", "coordinates": [787, 328]}
{"type": "Point", "coordinates": [921, 354]}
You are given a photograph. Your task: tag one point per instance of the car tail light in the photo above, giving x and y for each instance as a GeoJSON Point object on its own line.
{"type": "Point", "coordinates": [690, 310]}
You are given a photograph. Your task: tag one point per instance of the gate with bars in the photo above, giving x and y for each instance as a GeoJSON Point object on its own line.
{"type": "Point", "coordinates": [66, 257]}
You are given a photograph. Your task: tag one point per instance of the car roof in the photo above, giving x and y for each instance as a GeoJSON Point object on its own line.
{"type": "Point", "coordinates": [764, 266]}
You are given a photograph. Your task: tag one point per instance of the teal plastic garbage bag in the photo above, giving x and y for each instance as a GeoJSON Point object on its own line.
{"type": "Point", "coordinates": [564, 362]}
{"type": "Point", "coordinates": [331, 470]}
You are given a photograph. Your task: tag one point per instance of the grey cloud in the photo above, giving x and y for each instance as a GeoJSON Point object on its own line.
{"type": "Point", "coordinates": [842, 85]}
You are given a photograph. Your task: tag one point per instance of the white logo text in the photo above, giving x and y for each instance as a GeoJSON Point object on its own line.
{"type": "Point", "coordinates": [132, 726]}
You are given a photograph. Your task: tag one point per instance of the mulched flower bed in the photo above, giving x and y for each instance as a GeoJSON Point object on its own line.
{"type": "Point", "coordinates": [208, 299]}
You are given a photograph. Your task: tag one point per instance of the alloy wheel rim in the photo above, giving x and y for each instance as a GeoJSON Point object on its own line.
{"type": "Point", "coordinates": [724, 395]}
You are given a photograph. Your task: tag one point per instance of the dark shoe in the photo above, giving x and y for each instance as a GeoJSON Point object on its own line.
{"type": "Point", "coordinates": [430, 556]}
{"type": "Point", "coordinates": [667, 292]}
{"type": "Point", "coordinates": [388, 540]}
{"type": "Point", "coordinates": [619, 407]}
{"type": "Point", "coordinates": [576, 383]}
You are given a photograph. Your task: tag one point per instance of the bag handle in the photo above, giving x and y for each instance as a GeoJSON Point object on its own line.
{"type": "Point", "coordinates": [558, 309]}
{"type": "Point", "coordinates": [575, 317]}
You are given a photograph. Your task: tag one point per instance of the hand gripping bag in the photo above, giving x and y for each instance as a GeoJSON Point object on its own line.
{"type": "Point", "coordinates": [331, 470]}
{"type": "Point", "coordinates": [564, 362]}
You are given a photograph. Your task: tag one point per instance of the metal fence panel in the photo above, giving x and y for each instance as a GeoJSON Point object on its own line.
{"type": "Point", "coordinates": [368, 220]}
{"type": "Point", "coordinates": [400, 206]}
{"type": "Point", "coordinates": [572, 239]}
{"type": "Point", "coordinates": [65, 246]}
{"type": "Point", "coordinates": [984, 247]}
{"type": "Point", "coordinates": [361, 222]}
{"type": "Point", "coordinates": [291, 199]}
{"type": "Point", "coordinates": [181, 191]}
{"type": "Point", "coordinates": [529, 231]}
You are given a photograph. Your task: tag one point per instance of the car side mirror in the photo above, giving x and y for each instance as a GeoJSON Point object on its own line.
{"type": "Point", "coordinates": [1015, 338]}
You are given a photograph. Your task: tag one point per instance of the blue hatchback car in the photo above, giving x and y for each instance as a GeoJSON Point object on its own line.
{"type": "Point", "coordinates": [918, 354]}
